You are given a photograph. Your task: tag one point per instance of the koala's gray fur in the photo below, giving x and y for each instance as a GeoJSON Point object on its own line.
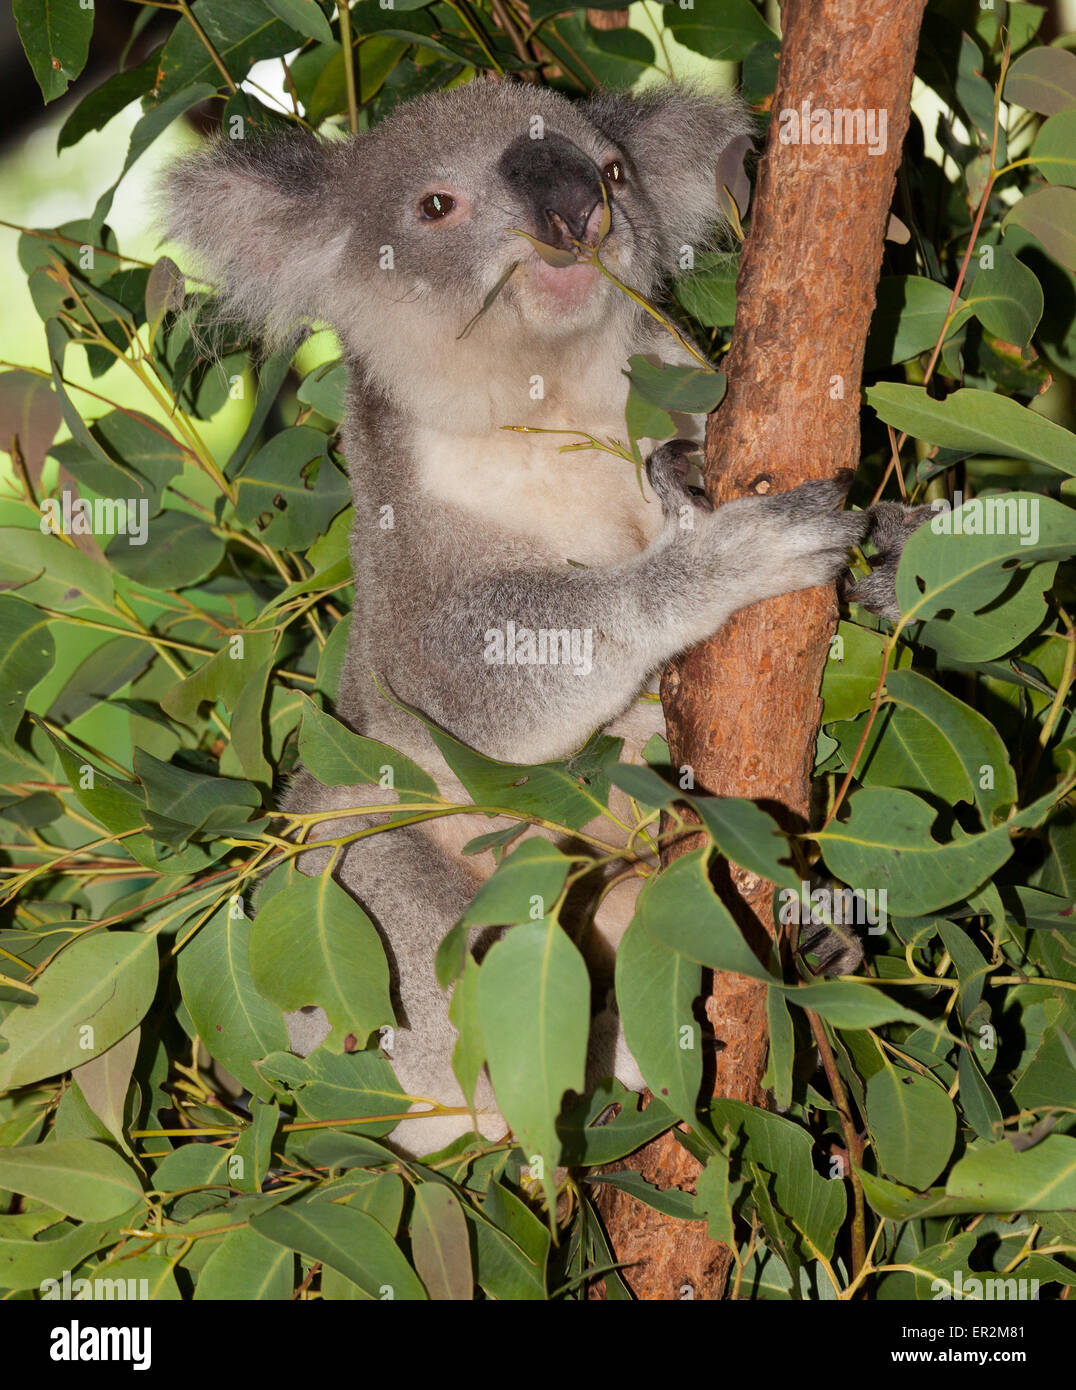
{"type": "Point", "coordinates": [484, 523]}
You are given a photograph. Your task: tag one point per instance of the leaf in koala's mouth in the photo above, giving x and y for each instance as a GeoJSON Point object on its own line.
{"type": "Point", "coordinates": [494, 292]}
{"type": "Point", "coordinates": [556, 256]}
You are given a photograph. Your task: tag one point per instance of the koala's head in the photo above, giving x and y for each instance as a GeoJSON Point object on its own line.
{"type": "Point", "coordinates": [413, 225]}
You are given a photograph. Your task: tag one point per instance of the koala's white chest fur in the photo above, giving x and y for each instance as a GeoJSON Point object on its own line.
{"type": "Point", "coordinates": [586, 505]}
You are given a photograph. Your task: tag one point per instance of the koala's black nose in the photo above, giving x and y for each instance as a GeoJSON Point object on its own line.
{"type": "Point", "coordinates": [557, 183]}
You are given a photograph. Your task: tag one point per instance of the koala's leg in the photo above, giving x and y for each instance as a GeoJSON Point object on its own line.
{"type": "Point", "coordinates": [413, 892]}
{"type": "Point", "coordinates": [628, 619]}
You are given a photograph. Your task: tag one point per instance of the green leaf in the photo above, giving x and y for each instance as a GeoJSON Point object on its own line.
{"type": "Point", "coordinates": [963, 560]}
{"type": "Point", "coordinates": [905, 750]}
{"type": "Point", "coordinates": [909, 315]}
{"type": "Point", "coordinates": [223, 677]}
{"type": "Point", "coordinates": [646, 421]}
{"type": "Point", "coordinates": [782, 1048]}
{"type": "Point", "coordinates": [977, 422]}
{"type": "Point", "coordinates": [1043, 79]}
{"type": "Point", "coordinates": [304, 17]}
{"type": "Point", "coordinates": [325, 389]}
{"type": "Point", "coordinates": [680, 909]}
{"type": "Point", "coordinates": [104, 1082]}
{"type": "Point", "coordinates": [742, 831]}
{"type": "Point", "coordinates": [30, 414]}
{"type": "Point", "coordinates": [912, 1123]}
{"type": "Point", "coordinates": [165, 290]}
{"type": "Point", "coordinates": [26, 1263]}
{"type": "Point", "coordinates": [252, 1155]}
{"type": "Point", "coordinates": [291, 489]}
{"type": "Point", "coordinates": [349, 1241]}
{"type": "Point", "coordinates": [1050, 215]}
{"type": "Point", "coordinates": [815, 1206]}
{"type": "Point", "coordinates": [1049, 1075]}
{"type": "Point", "coordinates": [1054, 150]}
{"type": "Point", "coordinates": [534, 1010]}
{"type": "Point", "coordinates": [80, 1177]}
{"type": "Point", "coordinates": [1005, 297]}
{"type": "Point", "coordinates": [103, 983]}
{"type": "Point", "coordinates": [973, 739]}
{"type": "Point", "coordinates": [328, 1087]}
{"type": "Point", "coordinates": [727, 31]}
{"type": "Point", "coordinates": [747, 835]}
{"type": "Point", "coordinates": [338, 962]}
{"type": "Point", "coordinates": [1000, 627]}
{"type": "Point", "coordinates": [692, 390]}
{"type": "Point", "coordinates": [524, 887]}
{"type": "Point", "coordinates": [655, 990]}
{"type": "Point", "coordinates": [590, 1138]}
{"type": "Point", "coordinates": [468, 1053]}
{"type": "Point", "coordinates": [55, 36]}
{"type": "Point", "coordinates": [49, 571]}
{"type": "Point", "coordinates": [887, 843]}
{"type": "Point", "coordinates": [237, 1025]}
{"type": "Point", "coordinates": [339, 758]}
{"type": "Point", "coordinates": [669, 1201]}
{"type": "Point", "coordinates": [27, 652]}
{"type": "Point", "coordinates": [133, 456]}
{"type": "Point", "coordinates": [241, 32]}
{"type": "Point", "coordinates": [980, 1107]}
{"type": "Point", "coordinates": [513, 1247]}
{"type": "Point", "coordinates": [709, 295]}
{"type": "Point", "coordinates": [851, 673]}
{"type": "Point", "coordinates": [847, 1003]}
{"type": "Point", "coordinates": [439, 1244]}
{"type": "Point", "coordinates": [192, 801]}
{"type": "Point", "coordinates": [246, 1266]}
{"type": "Point", "coordinates": [98, 107]}
{"type": "Point", "coordinates": [999, 1178]}
{"type": "Point", "coordinates": [183, 550]}
{"type": "Point", "coordinates": [571, 793]}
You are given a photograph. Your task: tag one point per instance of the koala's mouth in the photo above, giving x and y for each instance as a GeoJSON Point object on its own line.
{"type": "Point", "coordinates": [564, 287]}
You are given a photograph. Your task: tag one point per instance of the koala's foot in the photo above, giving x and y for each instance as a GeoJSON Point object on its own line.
{"type": "Point", "coordinates": [838, 950]}
{"type": "Point", "coordinates": [669, 469]}
{"type": "Point", "coordinates": [891, 525]}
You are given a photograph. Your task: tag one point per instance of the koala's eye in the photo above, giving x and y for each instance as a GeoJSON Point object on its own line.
{"type": "Point", "coordinates": [614, 171]}
{"type": "Point", "coordinates": [436, 205]}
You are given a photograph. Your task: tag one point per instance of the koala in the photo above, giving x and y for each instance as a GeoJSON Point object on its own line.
{"type": "Point", "coordinates": [396, 238]}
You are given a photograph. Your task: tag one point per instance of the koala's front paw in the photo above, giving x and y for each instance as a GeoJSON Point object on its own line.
{"type": "Point", "coordinates": [813, 535]}
{"type": "Point", "coordinates": [891, 525]}
{"type": "Point", "coordinates": [668, 469]}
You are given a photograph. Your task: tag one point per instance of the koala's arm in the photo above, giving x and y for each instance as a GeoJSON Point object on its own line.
{"type": "Point", "coordinates": [639, 614]}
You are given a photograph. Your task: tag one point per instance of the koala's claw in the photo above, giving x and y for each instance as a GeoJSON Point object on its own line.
{"type": "Point", "coordinates": [668, 469]}
{"type": "Point", "coordinates": [891, 525]}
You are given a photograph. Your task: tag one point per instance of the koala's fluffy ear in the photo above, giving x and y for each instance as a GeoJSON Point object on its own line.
{"type": "Point", "coordinates": [674, 136]}
{"type": "Point", "coordinates": [261, 219]}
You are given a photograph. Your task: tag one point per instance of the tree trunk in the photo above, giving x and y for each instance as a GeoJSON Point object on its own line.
{"type": "Point", "coordinates": [743, 708]}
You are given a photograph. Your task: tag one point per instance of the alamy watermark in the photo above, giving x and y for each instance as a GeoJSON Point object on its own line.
{"type": "Point", "coordinates": [106, 516]}
{"type": "Point", "coordinates": [513, 645]}
{"type": "Point", "coordinates": [822, 125]}
{"type": "Point", "coordinates": [93, 1289]}
{"type": "Point", "coordinates": [838, 907]}
{"type": "Point", "coordinates": [987, 516]}
{"type": "Point", "coordinates": [988, 1288]}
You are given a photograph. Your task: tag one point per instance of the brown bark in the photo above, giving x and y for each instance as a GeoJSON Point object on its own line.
{"type": "Point", "coordinates": [608, 19]}
{"type": "Point", "coordinates": [743, 708]}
